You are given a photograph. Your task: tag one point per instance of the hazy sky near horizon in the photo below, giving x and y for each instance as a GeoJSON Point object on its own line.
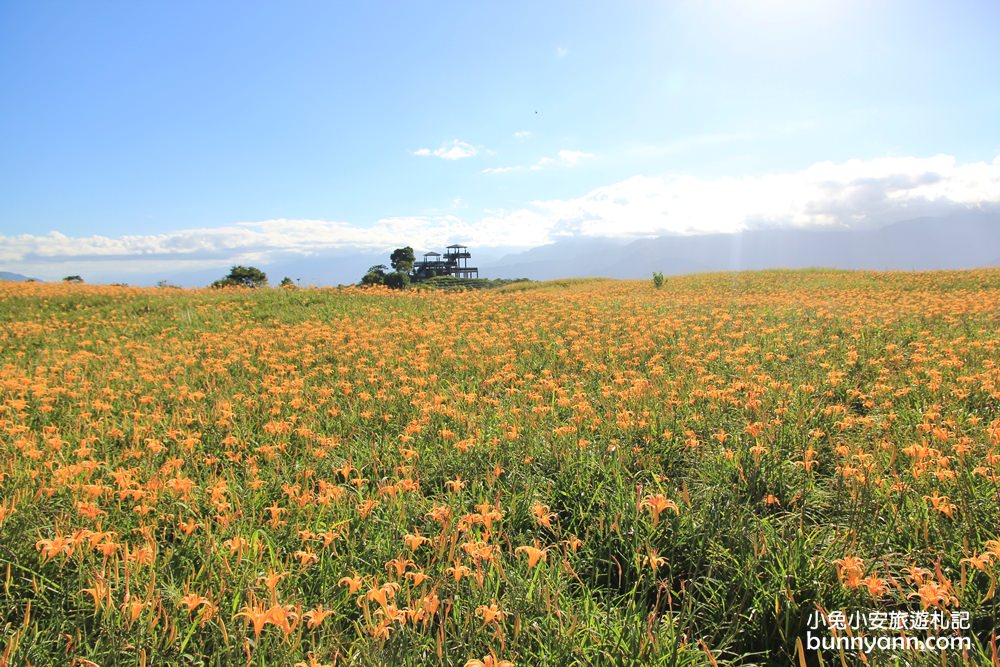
{"type": "Point", "coordinates": [232, 129]}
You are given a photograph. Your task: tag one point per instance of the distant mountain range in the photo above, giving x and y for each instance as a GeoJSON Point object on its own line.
{"type": "Point", "coordinates": [921, 244]}
{"type": "Point", "coordinates": [14, 277]}
{"type": "Point", "coordinates": [965, 241]}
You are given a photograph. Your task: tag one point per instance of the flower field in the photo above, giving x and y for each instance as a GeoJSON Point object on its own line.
{"type": "Point", "coordinates": [581, 472]}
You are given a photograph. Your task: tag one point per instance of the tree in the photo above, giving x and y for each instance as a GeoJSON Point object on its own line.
{"type": "Point", "coordinates": [375, 275]}
{"type": "Point", "coordinates": [402, 259]}
{"type": "Point", "coordinates": [397, 280]}
{"type": "Point", "coordinates": [287, 283]}
{"type": "Point", "coordinates": [657, 279]}
{"type": "Point", "coordinates": [72, 279]}
{"type": "Point", "coordinates": [243, 276]}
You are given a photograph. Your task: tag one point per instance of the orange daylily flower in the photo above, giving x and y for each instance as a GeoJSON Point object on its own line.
{"type": "Point", "coordinates": [381, 594]}
{"type": "Point", "coordinates": [272, 579]}
{"type": "Point", "coordinates": [353, 584]}
{"type": "Point", "coordinates": [100, 592]}
{"type": "Point", "coordinates": [654, 560]}
{"type": "Point", "coordinates": [458, 571]}
{"type": "Point", "coordinates": [491, 614]}
{"type": "Point", "coordinates": [399, 564]}
{"type": "Point", "coordinates": [658, 504]}
{"type": "Point", "coordinates": [316, 616]}
{"type": "Point", "coordinates": [416, 577]}
{"type": "Point", "coordinates": [490, 660]}
{"type": "Point", "coordinates": [534, 553]}
{"type": "Point", "coordinates": [306, 557]}
{"type": "Point", "coordinates": [543, 516]}
{"type": "Point", "coordinates": [877, 586]}
{"type": "Point", "coordinates": [52, 548]}
{"type": "Point", "coordinates": [415, 540]}
{"type": "Point", "coordinates": [192, 601]}
{"type": "Point", "coordinates": [980, 562]}
{"type": "Point", "coordinates": [849, 571]}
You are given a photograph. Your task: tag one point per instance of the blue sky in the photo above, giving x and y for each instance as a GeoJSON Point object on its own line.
{"type": "Point", "coordinates": [217, 131]}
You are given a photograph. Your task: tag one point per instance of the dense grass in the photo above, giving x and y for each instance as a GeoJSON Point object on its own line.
{"type": "Point", "coordinates": [448, 283]}
{"type": "Point", "coordinates": [581, 472]}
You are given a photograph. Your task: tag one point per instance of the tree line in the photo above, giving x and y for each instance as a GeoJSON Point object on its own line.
{"type": "Point", "coordinates": [401, 260]}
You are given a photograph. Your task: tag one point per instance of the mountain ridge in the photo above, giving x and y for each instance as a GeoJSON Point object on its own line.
{"type": "Point", "coordinates": [10, 276]}
{"type": "Point", "coordinates": [971, 241]}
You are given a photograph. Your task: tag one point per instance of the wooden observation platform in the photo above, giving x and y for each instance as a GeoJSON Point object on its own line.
{"type": "Point", "coordinates": [454, 262]}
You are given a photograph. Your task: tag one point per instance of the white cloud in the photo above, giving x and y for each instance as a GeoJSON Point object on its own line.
{"type": "Point", "coordinates": [856, 193]}
{"type": "Point", "coordinates": [561, 52]}
{"type": "Point", "coordinates": [563, 158]}
{"type": "Point", "coordinates": [455, 150]}
{"type": "Point", "coordinates": [689, 143]}
{"type": "Point", "coordinates": [501, 170]}
{"type": "Point", "coordinates": [523, 135]}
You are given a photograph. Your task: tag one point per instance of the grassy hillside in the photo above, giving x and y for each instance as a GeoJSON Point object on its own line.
{"type": "Point", "coordinates": [582, 472]}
